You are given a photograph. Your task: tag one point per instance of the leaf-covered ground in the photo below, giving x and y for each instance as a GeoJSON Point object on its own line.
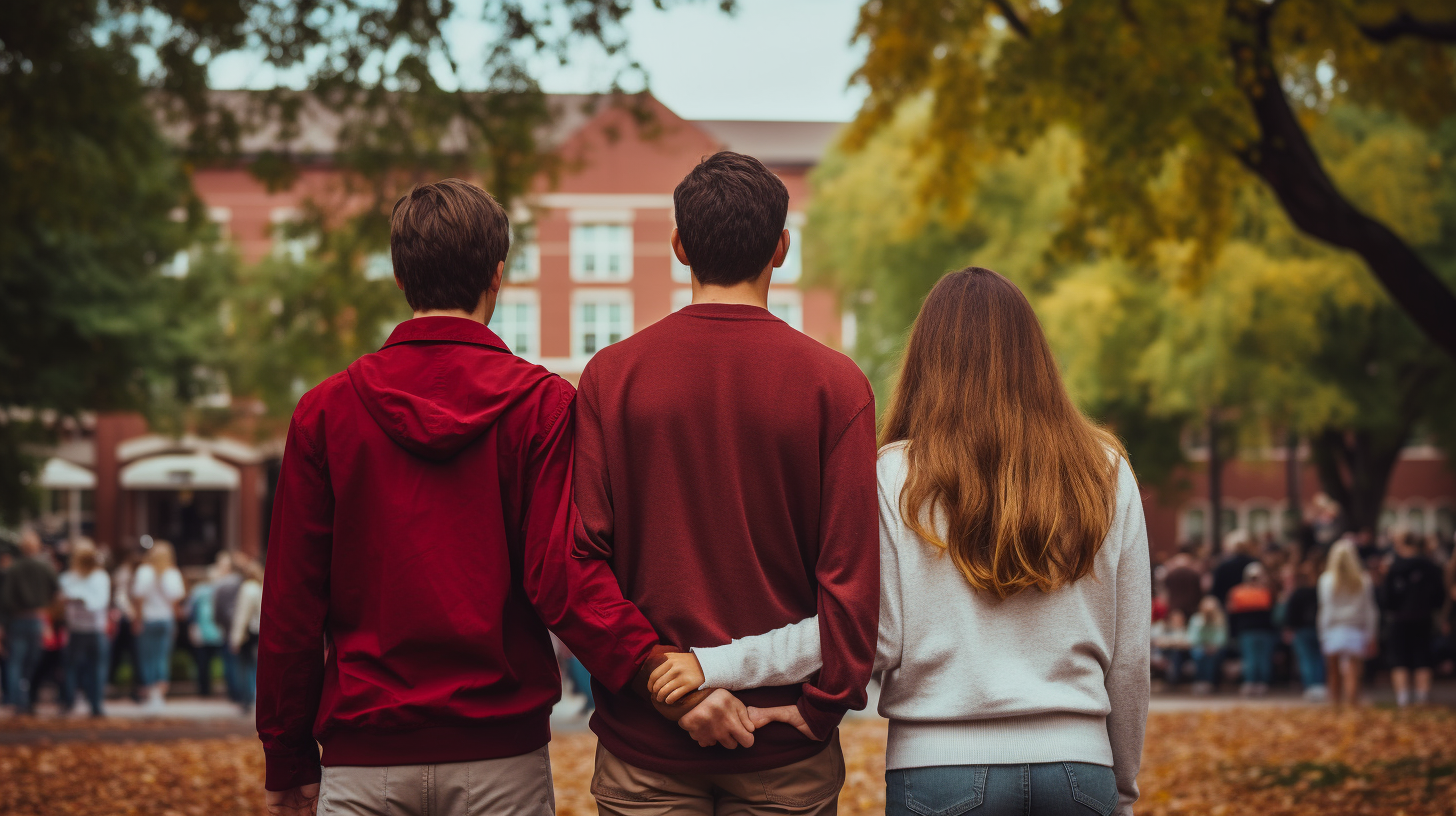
{"type": "Point", "coordinates": [1296, 761]}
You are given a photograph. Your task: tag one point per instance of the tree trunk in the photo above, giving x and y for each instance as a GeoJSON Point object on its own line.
{"type": "Point", "coordinates": [1354, 470]}
{"type": "Point", "coordinates": [1285, 160]}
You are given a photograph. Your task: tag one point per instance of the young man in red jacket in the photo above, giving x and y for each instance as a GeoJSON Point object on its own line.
{"type": "Point", "coordinates": [726, 470]}
{"type": "Point", "coordinates": [421, 538]}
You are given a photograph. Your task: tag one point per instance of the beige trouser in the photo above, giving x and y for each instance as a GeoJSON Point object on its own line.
{"type": "Point", "coordinates": [514, 786]}
{"type": "Point", "coordinates": [809, 787]}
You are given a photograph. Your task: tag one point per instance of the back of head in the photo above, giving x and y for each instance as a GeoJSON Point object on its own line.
{"type": "Point", "coordinates": [730, 212]}
{"type": "Point", "coordinates": [84, 557]}
{"type": "Point", "coordinates": [30, 543]}
{"type": "Point", "coordinates": [1237, 542]}
{"type": "Point", "coordinates": [1024, 484]}
{"type": "Point", "coordinates": [1343, 563]}
{"type": "Point", "coordinates": [446, 240]}
{"type": "Point", "coordinates": [161, 556]}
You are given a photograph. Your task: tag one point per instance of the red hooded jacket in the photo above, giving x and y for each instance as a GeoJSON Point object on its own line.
{"type": "Point", "coordinates": [420, 548]}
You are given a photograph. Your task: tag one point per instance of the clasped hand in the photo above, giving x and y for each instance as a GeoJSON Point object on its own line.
{"type": "Point", "coordinates": [721, 718]}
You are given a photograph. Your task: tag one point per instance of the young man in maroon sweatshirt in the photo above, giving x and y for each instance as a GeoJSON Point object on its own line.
{"type": "Point", "coordinates": [421, 538]}
{"type": "Point", "coordinates": [725, 468]}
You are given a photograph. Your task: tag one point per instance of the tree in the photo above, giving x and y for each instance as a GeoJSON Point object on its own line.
{"type": "Point", "coordinates": [1221, 85]}
{"type": "Point", "coordinates": [1269, 333]}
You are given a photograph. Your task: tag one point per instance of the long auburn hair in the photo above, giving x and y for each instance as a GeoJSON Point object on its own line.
{"type": "Point", "coordinates": [1022, 483]}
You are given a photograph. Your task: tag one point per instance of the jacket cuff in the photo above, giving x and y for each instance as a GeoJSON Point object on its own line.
{"type": "Point", "coordinates": [286, 770]}
{"type": "Point", "coordinates": [821, 722]}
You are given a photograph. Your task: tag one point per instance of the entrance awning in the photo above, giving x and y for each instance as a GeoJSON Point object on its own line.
{"type": "Point", "coordinates": [58, 474]}
{"type": "Point", "coordinates": [181, 471]}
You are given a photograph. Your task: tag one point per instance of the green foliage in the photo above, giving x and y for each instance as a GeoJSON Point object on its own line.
{"type": "Point", "coordinates": [1267, 330]}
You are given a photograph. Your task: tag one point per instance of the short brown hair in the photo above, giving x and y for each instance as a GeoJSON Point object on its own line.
{"type": "Point", "coordinates": [446, 240]}
{"type": "Point", "coordinates": [730, 212]}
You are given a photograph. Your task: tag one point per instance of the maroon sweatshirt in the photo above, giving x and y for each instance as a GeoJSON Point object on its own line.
{"type": "Point", "coordinates": [726, 470]}
{"type": "Point", "coordinates": [420, 548]}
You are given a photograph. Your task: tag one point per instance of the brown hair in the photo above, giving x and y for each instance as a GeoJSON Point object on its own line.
{"type": "Point", "coordinates": [1024, 484]}
{"type": "Point", "coordinates": [446, 240]}
{"type": "Point", "coordinates": [84, 557]}
{"type": "Point", "coordinates": [161, 556]}
{"type": "Point", "coordinates": [730, 213]}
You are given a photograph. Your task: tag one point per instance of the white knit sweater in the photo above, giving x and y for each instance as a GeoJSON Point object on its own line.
{"type": "Point", "coordinates": [968, 680]}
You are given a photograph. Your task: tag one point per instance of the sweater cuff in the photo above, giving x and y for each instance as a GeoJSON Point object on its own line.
{"type": "Point", "coordinates": [717, 668]}
{"type": "Point", "coordinates": [821, 722]}
{"type": "Point", "coordinates": [286, 770]}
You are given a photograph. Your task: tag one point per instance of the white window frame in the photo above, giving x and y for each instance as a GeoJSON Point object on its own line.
{"type": "Point", "coordinates": [580, 298]}
{"type": "Point", "coordinates": [589, 248]}
{"type": "Point", "coordinates": [524, 264]}
{"type": "Point", "coordinates": [507, 316]}
{"type": "Point", "coordinates": [681, 297]}
{"type": "Point", "coordinates": [790, 303]}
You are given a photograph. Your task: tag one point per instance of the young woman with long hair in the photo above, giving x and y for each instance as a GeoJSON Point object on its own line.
{"type": "Point", "coordinates": [157, 588]}
{"type": "Point", "coordinates": [1348, 621]}
{"type": "Point", "coordinates": [86, 589]}
{"type": "Point", "coordinates": [1015, 586]}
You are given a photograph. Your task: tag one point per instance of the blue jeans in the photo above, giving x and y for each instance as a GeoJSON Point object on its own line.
{"type": "Point", "coordinates": [1311, 659]}
{"type": "Point", "coordinates": [248, 672]}
{"type": "Point", "coordinates": [23, 643]}
{"type": "Point", "coordinates": [86, 667]}
{"type": "Point", "coordinates": [1207, 662]}
{"type": "Point", "coordinates": [1176, 658]}
{"type": "Point", "coordinates": [1258, 655]}
{"type": "Point", "coordinates": [230, 673]}
{"type": "Point", "coordinates": [154, 651]}
{"type": "Point", "coordinates": [1043, 789]}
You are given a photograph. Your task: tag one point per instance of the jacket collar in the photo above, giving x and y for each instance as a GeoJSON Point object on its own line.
{"type": "Point", "coordinates": [444, 330]}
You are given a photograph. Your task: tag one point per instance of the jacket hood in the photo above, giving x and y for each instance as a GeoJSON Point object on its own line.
{"type": "Point", "coordinates": [433, 400]}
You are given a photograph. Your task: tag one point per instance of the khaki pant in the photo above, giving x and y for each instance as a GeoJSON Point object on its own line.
{"type": "Point", "coordinates": [809, 787]}
{"type": "Point", "coordinates": [514, 786]}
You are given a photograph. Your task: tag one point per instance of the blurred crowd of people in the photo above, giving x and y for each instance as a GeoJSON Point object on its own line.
{"type": "Point", "coordinates": [71, 620]}
{"type": "Point", "coordinates": [1323, 617]}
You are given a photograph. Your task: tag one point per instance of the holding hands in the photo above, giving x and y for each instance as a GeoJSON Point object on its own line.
{"type": "Point", "coordinates": [679, 674]}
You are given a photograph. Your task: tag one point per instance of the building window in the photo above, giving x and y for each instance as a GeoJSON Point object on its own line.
{"type": "Point", "coordinates": [1445, 522]}
{"type": "Point", "coordinates": [1388, 519]}
{"type": "Point", "coordinates": [599, 318]}
{"type": "Point", "coordinates": [517, 321]}
{"type": "Point", "coordinates": [787, 305]}
{"type": "Point", "coordinates": [681, 272]}
{"type": "Point", "coordinates": [793, 267]}
{"type": "Point", "coordinates": [1230, 523]}
{"type": "Point", "coordinates": [524, 264]}
{"type": "Point", "coordinates": [1415, 521]}
{"type": "Point", "coordinates": [290, 240]}
{"type": "Point", "coordinates": [601, 252]}
{"type": "Point", "coordinates": [681, 298]}
{"type": "Point", "coordinates": [1194, 526]}
{"type": "Point", "coordinates": [1261, 523]}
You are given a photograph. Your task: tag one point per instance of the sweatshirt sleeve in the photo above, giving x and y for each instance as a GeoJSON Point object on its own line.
{"type": "Point", "coordinates": [295, 604]}
{"type": "Point", "coordinates": [1127, 675]}
{"type": "Point", "coordinates": [848, 574]}
{"type": "Point", "coordinates": [589, 479]}
{"type": "Point", "coordinates": [578, 599]}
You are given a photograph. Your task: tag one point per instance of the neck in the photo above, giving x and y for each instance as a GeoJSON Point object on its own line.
{"type": "Point", "coordinates": [480, 315]}
{"type": "Point", "coordinates": [745, 293]}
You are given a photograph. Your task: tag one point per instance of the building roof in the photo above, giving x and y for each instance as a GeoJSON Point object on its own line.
{"type": "Point", "coordinates": [772, 142]}
{"type": "Point", "coordinates": [316, 131]}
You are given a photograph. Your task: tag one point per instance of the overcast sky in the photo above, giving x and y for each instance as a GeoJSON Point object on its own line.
{"type": "Point", "coordinates": [774, 59]}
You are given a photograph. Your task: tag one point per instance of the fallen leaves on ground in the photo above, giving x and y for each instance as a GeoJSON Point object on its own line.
{"type": "Point", "coordinates": [1285, 762]}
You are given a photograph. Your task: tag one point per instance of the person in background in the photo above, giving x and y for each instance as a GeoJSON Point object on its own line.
{"type": "Point", "coordinates": [1183, 581]}
{"type": "Point", "coordinates": [30, 588]}
{"type": "Point", "coordinates": [156, 590]}
{"type": "Point", "coordinates": [123, 627]}
{"type": "Point", "coordinates": [1413, 595]}
{"type": "Point", "coordinates": [86, 589]}
{"type": "Point", "coordinates": [1301, 621]}
{"type": "Point", "coordinates": [224, 601]}
{"type": "Point", "coordinates": [6, 559]}
{"type": "Point", "coordinates": [1348, 621]}
{"type": "Point", "coordinates": [1170, 639]}
{"type": "Point", "coordinates": [1207, 635]}
{"type": "Point", "coordinates": [1251, 620]}
{"type": "Point", "coordinates": [243, 639]}
{"type": "Point", "coordinates": [205, 636]}
{"type": "Point", "coordinates": [1238, 555]}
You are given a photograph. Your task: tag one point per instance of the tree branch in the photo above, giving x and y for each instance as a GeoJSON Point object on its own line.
{"type": "Point", "coordinates": [1012, 18]}
{"type": "Point", "coordinates": [1284, 158]}
{"type": "Point", "coordinates": [1406, 25]}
